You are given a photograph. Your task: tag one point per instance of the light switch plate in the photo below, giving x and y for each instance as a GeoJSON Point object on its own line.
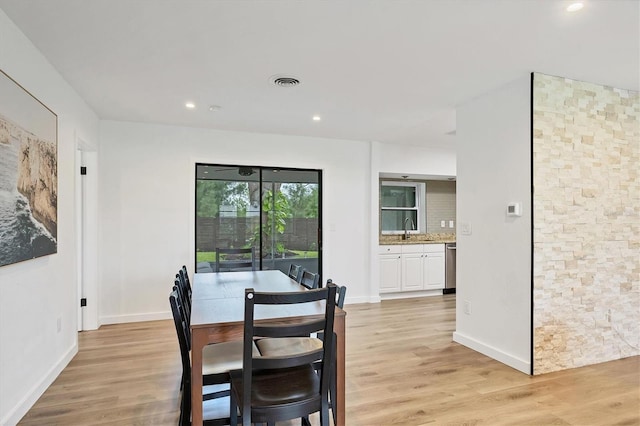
{"type": "Point", "coordinates": [450, 224]}
{"type": "Point", "coordinates": [465, 228]}
{"type": "Point", "coordinates": [442, 224]}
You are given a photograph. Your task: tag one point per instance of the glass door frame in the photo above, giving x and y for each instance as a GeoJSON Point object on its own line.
{"type": "Point", "coordinates": [261, 182]}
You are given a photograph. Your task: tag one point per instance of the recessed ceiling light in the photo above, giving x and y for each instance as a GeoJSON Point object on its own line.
{"type": "Point", "coordinates": [317, 118]}
{"type": "Point", "coordinates": [214, 108]}
{"type": "Point", "coordinates": [190, 105]}
{"type": "Point", "coordinates": [574, 7]}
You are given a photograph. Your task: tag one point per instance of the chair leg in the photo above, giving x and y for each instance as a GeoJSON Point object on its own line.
{"type": "Point", "coordinates": [185, 405]}
{"type": "Point", "coordinates": [305, 421]}
{"type": "Point", "coordinates": [233, 411]}
{"type": "Point", "coordinates": [324, 415]}
{"type": "Point", "coordinates": [332, 395]}
{"type": "Point", "coordinates": [182, 410]}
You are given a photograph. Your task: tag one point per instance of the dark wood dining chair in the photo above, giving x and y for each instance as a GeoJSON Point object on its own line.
{"type": "Point", "coordinates": [274, 388]}
{"type": "Point", "coordinates": [235, 259]}
{"type": "Point", "coordinates": [294, 271]}
{"type": "Point", "coordinates": [217, 360]}
{"type": "Point", "coordinates": [287, 345]}
{"type": "Point", "coordinates": [309, 279]}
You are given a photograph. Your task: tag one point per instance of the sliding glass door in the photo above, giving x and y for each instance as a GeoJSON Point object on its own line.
{"type": "Point", "coordinates": [277, 211]}
{"type": "Point", "coordinates": [291, 219]}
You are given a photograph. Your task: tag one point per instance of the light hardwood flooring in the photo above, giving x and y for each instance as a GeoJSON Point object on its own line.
{"type": "Point", "coordinates": [402, 369]}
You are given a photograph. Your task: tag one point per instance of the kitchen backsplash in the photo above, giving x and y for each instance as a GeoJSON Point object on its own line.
{"type": "Point", "coordinates": [441, 206]}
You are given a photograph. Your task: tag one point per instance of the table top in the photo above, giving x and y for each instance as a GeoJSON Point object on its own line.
{"type": "Point", "coordinates": [218, 297]}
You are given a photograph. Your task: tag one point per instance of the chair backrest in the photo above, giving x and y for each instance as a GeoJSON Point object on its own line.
{"type": "Point", "coordinates": [185, 277]}
{"type": "Point", "coordinates": [294, 271]}
{"type": "Point", "coordinates": [185, 306]}
{"type": "Point", "coordinates": [184, 293]}
{"type": "Point", "coordinates": [183, 332]}
{"type": "Point", "coordinates": [238, 261]}
{"type": "Point", "coordinates": [253, 330]}
{"type": "Point", "coordinates": [341, 293]}
{"type": "Point", "coordinates": [309, 279]}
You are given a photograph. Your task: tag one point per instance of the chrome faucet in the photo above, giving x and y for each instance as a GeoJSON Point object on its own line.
{"type": "Point", "coordinates": [406, 233]}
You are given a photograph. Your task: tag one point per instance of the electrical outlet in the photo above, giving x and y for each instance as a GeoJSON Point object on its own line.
{"type": "Point", "coordinates": [59, 324]}
{"type": "Point", "coordinates": [467, 307]}
{"type": "Point", "coordinates": [450, 224]}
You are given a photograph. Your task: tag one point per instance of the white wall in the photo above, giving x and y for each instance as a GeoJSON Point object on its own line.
{"type": "Point", "coordinates": [494, 262]}
{"type": "Point", "coordinates": [415, 160]}
{"type": "Point", "coordinates": [146, 186]}
{"type": "Point", "coordinates": [36, 293]}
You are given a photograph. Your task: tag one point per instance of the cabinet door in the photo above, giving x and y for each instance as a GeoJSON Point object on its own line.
{"type": "Point", "coordinates": [412, 272]}
{"type": "Point", "coordinates": [389, 273]}
{"type": "Point", "coordinates": [434, 271]}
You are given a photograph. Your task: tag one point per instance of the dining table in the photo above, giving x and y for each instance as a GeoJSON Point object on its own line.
{"type": "Point", "coordinates": [217, 315]}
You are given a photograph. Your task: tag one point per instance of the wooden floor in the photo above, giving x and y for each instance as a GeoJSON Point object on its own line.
{"type": "Point", "coordinates": [402, 369]}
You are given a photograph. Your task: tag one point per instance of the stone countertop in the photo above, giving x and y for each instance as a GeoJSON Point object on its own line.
{"type": "Point", "coordinates": [417, 239]}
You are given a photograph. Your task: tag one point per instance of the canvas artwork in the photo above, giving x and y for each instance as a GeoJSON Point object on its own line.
{"type": "Point", "coordinates": [28, 175]}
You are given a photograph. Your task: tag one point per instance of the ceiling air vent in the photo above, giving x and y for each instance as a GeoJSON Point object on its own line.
{"type": "Point", "coordinates": [284, 81]}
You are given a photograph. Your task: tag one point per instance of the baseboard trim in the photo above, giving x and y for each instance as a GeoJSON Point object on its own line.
{"type": "Point", "coordinates": [121, 319]}
{"type": "Point", "coordinates": [361, 299]}
{"type": "Point", "coordinates": [505, 358]}
{"type": "Point", "coordinates": [373, 299]}
{"type": "Point", "coordinates": [410, 294]}
{"type": "Point", "coordinates": [25, 404]}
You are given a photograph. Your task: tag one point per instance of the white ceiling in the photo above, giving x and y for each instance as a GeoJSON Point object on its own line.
{"type": "Point", "coordinates": [378, 70]}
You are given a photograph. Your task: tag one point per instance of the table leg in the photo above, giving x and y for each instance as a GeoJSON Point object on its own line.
{"type": "Point", "coordinates": [198, 342]}
{"type": "Point", "coordinates": [339, 326]}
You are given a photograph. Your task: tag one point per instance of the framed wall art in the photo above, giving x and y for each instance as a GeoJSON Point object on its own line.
{"type": "Point", "coordinates": [28, 175]}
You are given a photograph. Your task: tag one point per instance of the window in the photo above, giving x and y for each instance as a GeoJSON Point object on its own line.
{"type": "Point", "coordinates": [277, 211]}
{"type": "Point", "coordinates": [402, 205]}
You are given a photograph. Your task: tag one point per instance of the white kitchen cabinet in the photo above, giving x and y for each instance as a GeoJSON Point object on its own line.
{"type": "Point", "coordinates": [411, 267]}
{"type": "Point", "coordinates": [433, 266]}
{"type": "Point", "coordinates": [390, 269]}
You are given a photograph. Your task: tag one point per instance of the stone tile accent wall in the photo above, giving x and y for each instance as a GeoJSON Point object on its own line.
{"type": "Point", "coordinates": [441, 205]}
{"type": "Point", "coordinates": [586, 144]}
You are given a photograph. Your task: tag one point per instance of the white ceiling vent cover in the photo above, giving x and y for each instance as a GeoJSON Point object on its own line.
{"type": "Point", "coordinates": [284, 80]}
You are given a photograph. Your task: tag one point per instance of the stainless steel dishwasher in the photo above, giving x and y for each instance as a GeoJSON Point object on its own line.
{"type": "Point", "coordinates": [450, 268]}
